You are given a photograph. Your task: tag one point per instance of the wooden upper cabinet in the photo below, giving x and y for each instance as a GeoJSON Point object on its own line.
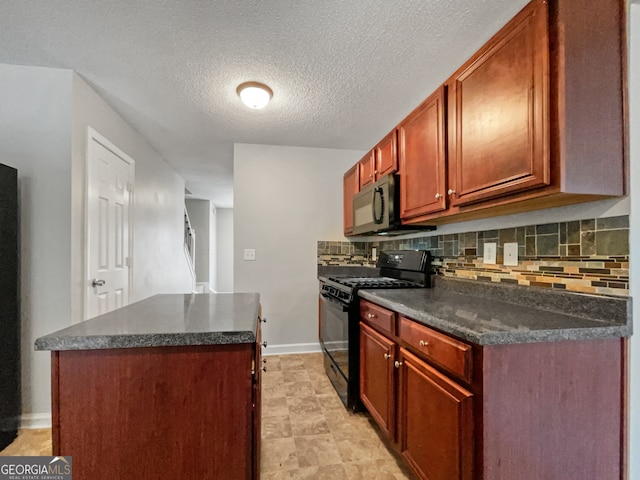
{"type": "Point", "coordinates": [351, 186]}
{"type": "Point", "coordinates": [386, 155]}
{"type": "Point", "coordinates": [367, 168]}
{"type": "Point", "coordinates": [499, 113]}
{"type": "Point", "coordinates": [421, 151]}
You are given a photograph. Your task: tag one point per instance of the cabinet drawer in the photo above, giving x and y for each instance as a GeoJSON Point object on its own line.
{"type": "Point", "coordinates": [377, 316]}
{"type": "Point", "coordinates": [450, 354]}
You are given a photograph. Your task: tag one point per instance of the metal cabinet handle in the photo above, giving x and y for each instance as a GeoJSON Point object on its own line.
{"type": "Point", "coordinates": [387, 356]}
{"type": "Point", "coordinates": [397, 364]}
{"type": "Point", "coordinates": [451, 192]}
{"type": "Point", "coordinates": [423, 343]}
{"type": "Point", "coordinates": [438, 195]}
{"type": "Point", "coordinates": [98, 283]}
{"type": "Point", "coordinates": [371, 315]}
{"type": "Point", "coordinates": [264, 344]}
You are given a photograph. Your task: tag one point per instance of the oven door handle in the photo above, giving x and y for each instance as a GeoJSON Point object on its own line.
{"type": "Point", "coordinates": [337, 303]}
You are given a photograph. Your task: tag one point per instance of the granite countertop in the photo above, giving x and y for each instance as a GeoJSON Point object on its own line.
{"type": "Point", "coordinates": [490, 314]}
{"type": "Point", "coordinates": [165, 320]}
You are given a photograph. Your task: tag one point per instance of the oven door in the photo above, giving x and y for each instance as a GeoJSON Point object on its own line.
{"type": "Point", "coordinates": [334, 331]}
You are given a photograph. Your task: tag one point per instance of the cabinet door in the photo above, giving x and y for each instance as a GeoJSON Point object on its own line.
{"type": "Point", "coordinates": [422, 159]}
{"type": "Point", "coordinates": [386, 153]}
{"type": "Point", "coordinates": [435, 425]}
{"type": "Point", "coordinates": [499, 113]}
{"type": "Point", "coordinates": [377, 377]}
{"type": "Point", "coordinates": [367, 168]}
{"type": "Point", "coordinates": [350, 188]}
{"type": "Point", "coordinates": [257, 399]}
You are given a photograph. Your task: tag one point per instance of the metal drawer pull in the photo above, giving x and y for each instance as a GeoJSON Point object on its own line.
{"type": "Point", "coordinates": [423, 343]}
{"type": "Point", "coordinates": [387, 356]}
{"type": "Point", "coordinates": [397, 364]}
{"type": "Point", "coordinates": [371, 315]}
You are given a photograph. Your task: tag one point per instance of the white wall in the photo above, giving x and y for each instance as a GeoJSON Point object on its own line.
{"type": "Point", "coordinates": [224, 250]}
{"type": "Point", "coordinates": [200, 217]}
{"type": "Point", "coordinates": [285, 200]}
{"type": "Point", "coordinates": [35, 132]}
{"type": "Point", "coordinates": [634, 129]}
{"type": "Point", "coordinates": [44, 115]}
{"type": "Point", "coordinates": [159, 263]}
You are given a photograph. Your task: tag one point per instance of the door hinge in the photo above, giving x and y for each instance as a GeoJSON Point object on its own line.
{"type": "Point", "coordinates": [127, 261]}
{"type": "Point", "coordinates": [130, 187]}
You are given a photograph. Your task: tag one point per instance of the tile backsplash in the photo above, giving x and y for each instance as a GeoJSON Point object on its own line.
{"type": "Point", "coordinates": [589, 256]}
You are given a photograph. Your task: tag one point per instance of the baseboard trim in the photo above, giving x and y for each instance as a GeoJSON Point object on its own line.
{"type": "Point", "coordinates": [291, 348]}
{"type": "Point", "coordinates": [35, 420]}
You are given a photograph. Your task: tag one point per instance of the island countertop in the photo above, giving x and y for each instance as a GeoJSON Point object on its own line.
{"type": "Point", "coordinates": [165, 320]}
{"type": "Point", "coordinates": [489, 314]}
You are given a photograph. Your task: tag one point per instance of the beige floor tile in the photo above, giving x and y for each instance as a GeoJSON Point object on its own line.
{"type": "Point", "coordinates": [303, 405]}
{"type": "Point", "coordinates": [276, 427]}
{"type": "Point", "coordinates": [362, 448]}
{"type": "Point", "coordinates": [275, 406]}
{"type": "Point", "coordinates": [294, 376]}
{"type": "Point", "coordinates": [375, 470]}
{"type": "Point", "coordinates": [272, 363]}
{"type": "Point", "coordinates": [324, 472]}
{"type": "Point", "coordinates": [317, 450]}
{"type": "Point", "coordinates": [309, 424]}
{"type": "Point", "coordinates": [278, 454]}
{"type": "Point", "coordinates": [298, 389]}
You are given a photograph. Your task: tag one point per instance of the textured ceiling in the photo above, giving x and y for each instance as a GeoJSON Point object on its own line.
{"type": "Point", "coordinates": [343, 72]}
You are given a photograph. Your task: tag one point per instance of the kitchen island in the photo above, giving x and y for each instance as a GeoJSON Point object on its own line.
{"type": "Point", "coordinates": [168, 387]}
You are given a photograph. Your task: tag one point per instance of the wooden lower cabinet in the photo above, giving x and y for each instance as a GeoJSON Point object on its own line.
{"type": "Point", "coordinates": [531, 411]}
{"type": "Point", "coordinates": [435, 422]}
{"type": "Point", "coordinates": [377, 377]}
{"type": "Point", "coordinates": [158, 412]}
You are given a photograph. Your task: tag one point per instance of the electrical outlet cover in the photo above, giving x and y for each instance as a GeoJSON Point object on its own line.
{"type": "Point", "coordinates": [511, 254]}
{"type": "Point", "coordinates": [490, 250]}
{"type": "Point", "coordinates": [250, 254]}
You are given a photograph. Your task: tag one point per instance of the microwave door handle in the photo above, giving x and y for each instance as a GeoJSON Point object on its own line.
{"type": "Point", "coordinates": [377, 192]}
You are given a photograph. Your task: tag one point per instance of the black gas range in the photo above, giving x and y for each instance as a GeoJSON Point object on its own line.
{"type": "Point", "coordinates": [339, 313]}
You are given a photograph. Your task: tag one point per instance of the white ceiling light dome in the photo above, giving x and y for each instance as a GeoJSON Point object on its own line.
{"type": "Point", "coordinates": [254, 95]}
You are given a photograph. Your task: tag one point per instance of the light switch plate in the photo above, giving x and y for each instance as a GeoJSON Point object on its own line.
{"type": "Point", "coordinates": [511, 254]}
{"type": "Point", "coordinates": [490, 253]}
{"type": "Point", "coordinates": [249, 253]}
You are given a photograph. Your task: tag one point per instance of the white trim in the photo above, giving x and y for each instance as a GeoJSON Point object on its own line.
{"type": "Point", "coordinates": [291, 348]}
{"type": "Point", "coordinates": [35, 420]}
{"type": "Point", "coordinates": [93, 135]}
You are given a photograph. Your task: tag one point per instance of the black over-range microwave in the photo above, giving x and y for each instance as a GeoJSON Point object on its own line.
{"type": "Point", "coordinates": [376, 209]}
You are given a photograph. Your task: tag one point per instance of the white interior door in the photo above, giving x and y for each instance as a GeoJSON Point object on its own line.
{"type": "Point", "coordinates": [109, 190]}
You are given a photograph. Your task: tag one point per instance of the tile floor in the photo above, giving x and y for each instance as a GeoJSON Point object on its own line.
{"type": "Point", "coordinates": [306, 431]}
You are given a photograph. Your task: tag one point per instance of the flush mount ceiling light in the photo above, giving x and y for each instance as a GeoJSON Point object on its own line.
{"type": "Point", "coordinates": [254, 94]}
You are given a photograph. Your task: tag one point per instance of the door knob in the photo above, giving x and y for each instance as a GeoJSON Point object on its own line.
{"type": "Point", "coordinates": [98, 283]}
